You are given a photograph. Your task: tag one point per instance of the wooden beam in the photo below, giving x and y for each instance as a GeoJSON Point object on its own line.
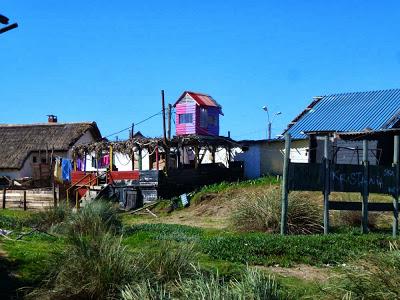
{"type": "Point", "coordinates": [357, 206]}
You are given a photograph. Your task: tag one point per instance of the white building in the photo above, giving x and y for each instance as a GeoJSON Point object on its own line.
{"type": "Point", "coordinates": [26, 148]}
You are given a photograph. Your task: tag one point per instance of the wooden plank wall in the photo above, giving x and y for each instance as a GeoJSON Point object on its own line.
{"type": "Point", "coordinates": [35, 199]}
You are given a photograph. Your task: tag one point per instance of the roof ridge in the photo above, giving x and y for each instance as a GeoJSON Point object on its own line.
{"type": "Point", "coordinates": [362, 92]}
{"type": "Point", "coordinates": [46, 124]}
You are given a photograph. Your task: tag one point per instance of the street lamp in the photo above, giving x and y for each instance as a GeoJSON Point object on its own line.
{"type": "Point", "coordinates": [265, 108]}
{"type": "Point", "coordinates": [4, 20]}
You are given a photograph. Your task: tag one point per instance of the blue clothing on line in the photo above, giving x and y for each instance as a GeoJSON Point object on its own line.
{"type": "Point", "coordinates": [66, 168]}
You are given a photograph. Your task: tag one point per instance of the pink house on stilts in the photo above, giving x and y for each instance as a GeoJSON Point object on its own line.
{"type": "Point", "coordinates": [197, 114]}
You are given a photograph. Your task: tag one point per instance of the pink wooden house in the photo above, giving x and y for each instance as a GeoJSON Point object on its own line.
{"type": "Point", "coordinates": [197, 114]}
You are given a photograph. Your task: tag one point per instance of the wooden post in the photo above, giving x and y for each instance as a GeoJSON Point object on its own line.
{"type": "Point", "coordinates": [326, 185]}
{"type": "Point", "coordinates": [365, 191]}
{"type": "Point", "coordinates": [213, 150]}
{"type": "Point", "coordinates": [111, 158]}
{"type": "Point", "coordinates": [396, 165]}
{"type": "Point", "coordinates": [196, 156]}
{"type": "Point", "coordinates": [54, 194]}
{"type": "Point", "coordinates": [140, 159]}
{"type": "Point", "coordinates": [24, 199]}
{"type": "Point", "coordinates": [77, 198]}
{"type": "Point", "coordinates": [157, 159]}
{"type": "Point", "coordinates": [4, 198]}
{"type": "Point", "coordinates": [285, 187]}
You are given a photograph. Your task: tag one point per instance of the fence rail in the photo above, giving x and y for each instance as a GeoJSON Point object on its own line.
{"type": "Point", "coordinates": [328, 177]}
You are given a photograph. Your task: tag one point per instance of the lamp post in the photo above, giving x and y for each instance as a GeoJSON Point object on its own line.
{"type": "Point", "coordinates": [269, 131]}
{"type": "Point", "coordinates": [4, 20]}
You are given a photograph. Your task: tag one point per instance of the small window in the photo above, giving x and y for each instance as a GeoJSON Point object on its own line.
{"type": "Point", "coordinates": [203, 118]}
{"type": "Point", "coordinates": [185, 118]}
{"type": "Point", "coordinates": [34, 159]}
{"type": "Point", "coordinates": [43, 160]}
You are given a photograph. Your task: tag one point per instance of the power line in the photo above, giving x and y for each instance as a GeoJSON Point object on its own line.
{"type": "Point", "coordinates": [129, 128]}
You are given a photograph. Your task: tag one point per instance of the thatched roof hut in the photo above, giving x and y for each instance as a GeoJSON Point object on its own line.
{"type": "Point", "coordinates": [19, 141]}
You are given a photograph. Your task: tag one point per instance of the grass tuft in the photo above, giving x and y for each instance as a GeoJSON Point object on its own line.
{"type": "Point", "coordinates": [263, 213]}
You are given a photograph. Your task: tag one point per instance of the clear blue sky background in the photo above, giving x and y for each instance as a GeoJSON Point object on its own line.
{"type": "Point", "coordinates": [108, 60]}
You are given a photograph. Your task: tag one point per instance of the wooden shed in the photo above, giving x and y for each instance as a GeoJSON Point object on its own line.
{"type": "Point", "coordinates": [197, 114]}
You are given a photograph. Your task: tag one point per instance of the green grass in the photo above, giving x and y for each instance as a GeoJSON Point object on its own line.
{"type": "Point", "coordinates": [262, 249]}
{"type": "Point", "coordinates": [269, 249]}
{"type": "Point", "coordinates": [31, 255]}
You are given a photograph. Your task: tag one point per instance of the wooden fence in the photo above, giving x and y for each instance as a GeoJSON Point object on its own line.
{"type": "Point", "coordinates": [27, 199]}
{"type": "Point", "coordinates": [328, 177]}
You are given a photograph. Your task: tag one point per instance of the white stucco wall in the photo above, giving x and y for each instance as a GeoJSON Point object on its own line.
{"type": "Point", "coordinates": [251, 159]}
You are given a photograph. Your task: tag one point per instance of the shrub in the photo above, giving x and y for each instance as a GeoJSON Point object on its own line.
{"type": "Point", "coordinates": [95, 218]}
{"type": "Point", "coordinates": [263, 213]}
{"type": "Point", "coordinates": [90, 268]}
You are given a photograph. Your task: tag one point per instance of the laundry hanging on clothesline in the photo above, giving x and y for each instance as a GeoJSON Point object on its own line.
{"type": "Point", "coordinates": [66, 169]}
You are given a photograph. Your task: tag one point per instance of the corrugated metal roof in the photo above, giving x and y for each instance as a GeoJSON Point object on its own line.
{"type": "Point", "coordinates": [349, 112]}
{"type": "Point", "coordinates": [201, 99]}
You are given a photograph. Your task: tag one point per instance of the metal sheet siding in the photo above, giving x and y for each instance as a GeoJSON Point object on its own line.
{"type": "Point", "coordinates": [182, 129]}
{"type": "Point", "coordinates": [350, 112]}
{"type": "Point", "coordinates": [210, 130]}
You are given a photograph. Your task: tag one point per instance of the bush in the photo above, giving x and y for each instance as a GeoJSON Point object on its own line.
{"type": "Point", "coordinates": [90, 268]}
{"type": "Point", "coordinates": [95, 218]}
{"type": "Point", "coordinates": [263, 213]}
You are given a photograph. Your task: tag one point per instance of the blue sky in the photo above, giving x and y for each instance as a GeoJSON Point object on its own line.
{"type": "Point", "coordinates": [106, 61]}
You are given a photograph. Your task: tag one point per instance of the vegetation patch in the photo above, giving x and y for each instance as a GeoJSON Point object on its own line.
{"type": "Point", "coordinates": [270, 249]}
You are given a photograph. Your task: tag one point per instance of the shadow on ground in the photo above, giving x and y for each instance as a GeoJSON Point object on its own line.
{"type": "Point", "coordinates": [9, 283]}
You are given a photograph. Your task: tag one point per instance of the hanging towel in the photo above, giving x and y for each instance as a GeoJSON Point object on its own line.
{"type": "Point", "coordinates": [106, 160]}
{"type": "Point", "coordinates": [66, 168]}
{"type": "Point", "coordinates": [79, 165]}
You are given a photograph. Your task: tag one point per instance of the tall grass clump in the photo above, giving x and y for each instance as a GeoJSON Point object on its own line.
{"type": "Point", "coordinates": [252, 285]}
{"type": "Point", "coordinates": [170, 262]}
{"type": "Point", "coordinates": [89, 268]}
{"type": "Point", "coordinates": [50, 217]}
{"type": "Point", "coordinates": [372, 277]}
{"type": "Point", "coordinates": [95, 218]}
{"type": "Point", "coordinates": [263, 213]}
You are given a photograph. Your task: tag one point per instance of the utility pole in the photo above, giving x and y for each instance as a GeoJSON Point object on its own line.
{"type": "Point", "coordinates": [169, 120]}
{"type": "Point", "coordinates": [4, 20]}
{"type": "Point", "coordinates": [165, 145]}
{"type": "Point", "coordinates": [163, 115]}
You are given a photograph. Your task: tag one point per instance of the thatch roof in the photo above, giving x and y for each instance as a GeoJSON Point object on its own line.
{"type": "Point", "coordinates": [18, 141]}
